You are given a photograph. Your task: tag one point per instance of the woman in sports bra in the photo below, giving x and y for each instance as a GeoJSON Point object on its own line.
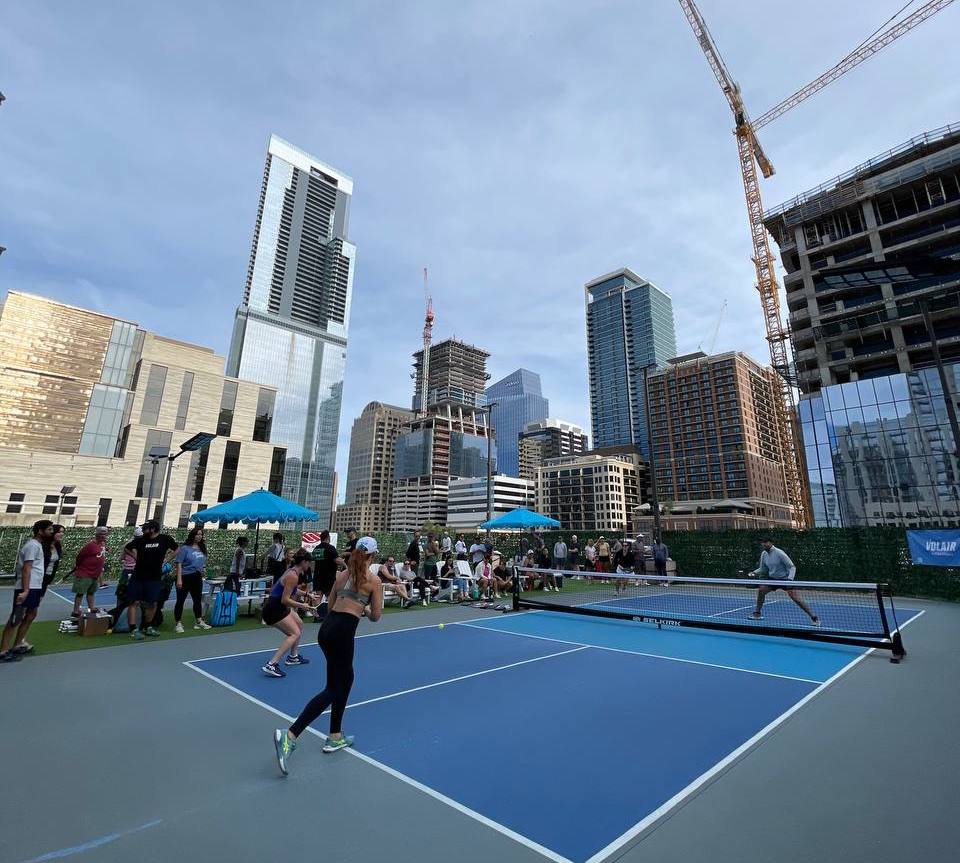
{"type": "Point", "coordinates": [356, 593]}
{"type": "Point", "coordinates": [278, 612]}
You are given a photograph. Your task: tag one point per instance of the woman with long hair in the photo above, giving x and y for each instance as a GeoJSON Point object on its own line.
{"type": "Point", "coordinates": [278, 611]}
{"type": "Point", "coordinates": [356, 593]}
{"type": "Point", "coordinates": [52, 553]}
{"type": "Point", "coordinates": [191, 564]}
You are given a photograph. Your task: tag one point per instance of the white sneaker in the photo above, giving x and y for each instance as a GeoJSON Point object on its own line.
{"type": "Point", "coordinates": [202, 624]}
{"type": "Point", "coordinates": [178, 628]}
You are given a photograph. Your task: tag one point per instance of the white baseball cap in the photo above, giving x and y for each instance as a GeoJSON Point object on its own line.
{"type": "Point", "coordinates": [367, 544]}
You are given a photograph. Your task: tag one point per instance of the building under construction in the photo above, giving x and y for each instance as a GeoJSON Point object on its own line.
{"type": "Point", "coordinates": [456, 373]}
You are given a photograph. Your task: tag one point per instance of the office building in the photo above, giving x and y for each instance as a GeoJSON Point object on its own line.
{"type": "Point", "coordinates": [593, 492]}
{"type": "Point", "coordinates": [84, 398]}
{"type": "Point", "coordinates": [370, 469]}
{"type": "Point", "coordinates": [901, 208]}
{"type": "Point", "coordinates": [291, 329]}
{"type": "Point", "coordinates": [546, 439]}
{"type": "Point", "coordinates": [467, 499]}
{"type": "Point", "coordinates": [629, 328]}
{"type": "Point", "coordinates": [519, 400]}
{"type": "Point", "coordinates": [447, 440]}
{"type": "Point", "coordinates": [716, 451]}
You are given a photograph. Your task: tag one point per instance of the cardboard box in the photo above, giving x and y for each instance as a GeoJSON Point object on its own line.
{"type": "Point", "coordinates": [95, 624]}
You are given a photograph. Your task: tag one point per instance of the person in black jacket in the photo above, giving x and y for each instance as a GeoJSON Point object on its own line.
{"type": "Point", "coordinates": [413, 552]}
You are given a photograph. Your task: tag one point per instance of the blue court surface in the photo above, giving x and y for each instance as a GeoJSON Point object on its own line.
{"type": "Point", "coordinates": [567, 733]}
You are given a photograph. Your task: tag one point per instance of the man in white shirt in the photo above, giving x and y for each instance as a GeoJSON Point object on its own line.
{"type": "Point", "coordinates": [460, 549]}
{"type": "Point", "coordinates": [445, 544]}
{"type": "Point", "coordinates": [27, 593]}
{"type": "Point", "coordinates": [477, 550]}
{"type": "Point", "coordinates": [559, 554]}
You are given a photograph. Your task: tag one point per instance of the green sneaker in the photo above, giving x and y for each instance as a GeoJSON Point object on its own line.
{"type": "Point", "coordinates": [284, 747]}
{"type": "Point", "coordinates": [153, 632]}
{"type": "Point", "coordinates": [333, 744]}
{"type": "Point", "coordinates": [136, 635]}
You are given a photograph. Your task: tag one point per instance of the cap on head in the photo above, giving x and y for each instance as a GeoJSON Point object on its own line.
{"type": "Point", "coordinates": [367, 544]}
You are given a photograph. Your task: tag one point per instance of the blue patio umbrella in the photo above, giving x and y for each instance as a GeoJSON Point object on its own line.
{"type": "Point", "coordinates": [519, 519]}
{"type": "Point", "coordinates": [258, 507]}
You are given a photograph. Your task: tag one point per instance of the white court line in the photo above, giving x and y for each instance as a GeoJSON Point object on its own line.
{"type": "Point", "coordinates": [720, 766]}
{"type": "Point", "coordinates": [396, 774]}
{"type": "Point", "coordinates": [649, 655]}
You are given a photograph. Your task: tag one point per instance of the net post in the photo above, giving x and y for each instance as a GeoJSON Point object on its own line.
{"type": "Point", "coordinates": [896, 642]}
{"type": "Point", "coordinates": [516, 588]}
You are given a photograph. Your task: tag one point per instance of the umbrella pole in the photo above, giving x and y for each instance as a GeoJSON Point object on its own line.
{"type": "Point", "coordinates": [256, 545]}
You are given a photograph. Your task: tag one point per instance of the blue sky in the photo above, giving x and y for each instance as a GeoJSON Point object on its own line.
{"type": "Point", "coordinates": [517, 149]}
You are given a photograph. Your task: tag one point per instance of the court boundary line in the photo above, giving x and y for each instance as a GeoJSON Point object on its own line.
{"type": "Point", "coordinates": [651, 655]}
{"type": "Point", "coordinates": [706, 777]}
{"type": "Point", "coordinates": [396, 774]}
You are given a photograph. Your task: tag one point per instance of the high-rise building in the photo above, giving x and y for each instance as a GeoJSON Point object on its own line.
{"type": "Point", "coordinates": [716, 451]}
{"type": "Point", "coordinates": [447, 440]}
{"type": "Point", "coordinates": [85, 397]}
{"type": "Point", "coordinates": [866, 253]}
{"type": "Point", "coordinates": [629, 328]}
{"type": "Point", "coordinates": [546, 439]}
{"type": "Point", "coordinates": [519, 400]}
{"type": "Point", "coordinates": [291, 329]}
{"type": "Point", "coordinates": [370, 468]}
{"type": "Point", "coordinates": [467, 501]}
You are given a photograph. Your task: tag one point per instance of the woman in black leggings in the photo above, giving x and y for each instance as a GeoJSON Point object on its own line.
{"type": "Point", "coordinates": [191, 564]}
{"type": "Point", "coordinates": [355, 594]}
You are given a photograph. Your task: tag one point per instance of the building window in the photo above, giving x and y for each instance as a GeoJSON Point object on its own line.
{"type": "Point", "coordinates": [228, 476]}
{"type": "Point", "coordinates": [50, 504]}
{"type": "Point", "coordinates": [277, 465]}
{"type": "Point", "coordinates": [228, 401]}
{"type": "Point", "coordinates": [263, 422]}
{"type": "Point", "coordinates": [15, 504]}
{"type": "Point", "coordinates": [186, 389]}
{"type": "Point", "coordinates": [153, 397]}
{"type": "Point", "coordinates": [199, 471]}
{"type": "Point", "coordinates": [103, 511]}
{"type": "Point", "coordinates": [146, 488]}
{"type": "Point", "coordinates": [133, 509]}
{"type": "Point", "coordinates": [185, 511]}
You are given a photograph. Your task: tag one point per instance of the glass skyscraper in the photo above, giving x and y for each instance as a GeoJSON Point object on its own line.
{"type": "Point", "coordinates": [629, 327]}
{"type": "Point", "coordinates": [291, 329]}
{"type": "Point", "coordinates": [519, 401]}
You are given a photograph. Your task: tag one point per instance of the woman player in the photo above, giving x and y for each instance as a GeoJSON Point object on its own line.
{"type": "Point", "coordinates": [278, 612]}
{"type": "Point", "coordinates": [355, 594]}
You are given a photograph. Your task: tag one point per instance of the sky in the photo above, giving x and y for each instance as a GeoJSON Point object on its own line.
{"type": "Point", "coordinates": [516, 148]}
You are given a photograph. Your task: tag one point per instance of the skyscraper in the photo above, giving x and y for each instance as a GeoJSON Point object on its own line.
{"type": "Point", "coordinates": [629, 327]}
{"type": "Point", "coordinates": [546, 439]}
{"type": "Point", "coordinates": [519, 401]}
{"type": "Point", "coordinates": [291, 329]}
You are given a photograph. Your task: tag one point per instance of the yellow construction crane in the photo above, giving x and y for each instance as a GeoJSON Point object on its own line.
{"type": "Point", "coordinates": [752, 156]}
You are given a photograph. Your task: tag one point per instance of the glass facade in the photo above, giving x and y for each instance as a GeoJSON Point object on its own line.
{"type": "Point", "coordinates": [186, 390]}
{"type": "Point", "coordinates": [124, 345]}
{"type": "Point", "coordinates": [228, 402]}
{"type": "Point", "coordinates": [629, 327]}
{"type": "Point", "coordinates": [263, 421]}
{"type": "Point", "coordinates": [153, 396]}
{"type": "Point", "coordinates": [519, 401]}
{"type": "Point", "coordinates": [228, 476]}
{"type": "Point", "coordinates": [105, 415]}
{"type": "Point", "coordinates": [880, 451]}
{"type": "Point", "coordinates": [155, 438]}
{"type": "Point", "coordinates": [468, 455]}
{"type": "Point", "coordinates": [412, 456]}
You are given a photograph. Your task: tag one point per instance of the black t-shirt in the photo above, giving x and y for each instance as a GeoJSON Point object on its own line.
{"type": "Point", "coordinates": [413, 551]}
{"type": "Point", "coordinates": [325, 567]}
{"type": "Point", "coordinates": [150, 555]}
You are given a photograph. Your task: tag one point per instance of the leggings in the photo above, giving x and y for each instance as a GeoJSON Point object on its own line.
{"type": "Point", "coordinates": [192, 585]}
{"type": "Point", "coordinates": [336, 642]}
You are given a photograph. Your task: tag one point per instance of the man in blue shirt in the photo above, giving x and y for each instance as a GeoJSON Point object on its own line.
{"type": "Point", "coordinates": [776, 566]}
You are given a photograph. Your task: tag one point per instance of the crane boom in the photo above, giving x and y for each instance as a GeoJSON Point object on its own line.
{"type": "Point", "coordinates": [854, 58]}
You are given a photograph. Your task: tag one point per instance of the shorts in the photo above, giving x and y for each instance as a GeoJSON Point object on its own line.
{"type": "Point", "coordinates": [34, 595]}
{"type": "Point", "coordinates": [83, 586]}
{"type": "Point", "coordinates": [147, 592]}
{"type": "Point", "coordinates": [274, 611]}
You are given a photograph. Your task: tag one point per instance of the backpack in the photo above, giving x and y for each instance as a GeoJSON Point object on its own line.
{"type": "Point", "coordinates": [224, 609]}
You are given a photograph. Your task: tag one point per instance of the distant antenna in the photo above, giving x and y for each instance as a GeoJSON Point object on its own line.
{"type": "Point", "coordinates": [427, 338]}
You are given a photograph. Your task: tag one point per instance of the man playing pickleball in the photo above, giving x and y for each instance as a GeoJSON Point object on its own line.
{"type": "Point", "coordinates": [776, 566]}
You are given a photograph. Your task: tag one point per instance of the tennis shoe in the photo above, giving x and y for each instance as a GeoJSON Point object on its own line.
{"type": "Point", "coordinates": [23, 649]}
{"type": "Point", "coordinates": [202, 624]}
{"type": "Point", "coordinates": [815, 621]}
{"type": "Point", "coordinates": [137, 635]}
{"type": "Point", "coordinates": [273, 670]}
{"type": "Point", "coordinates": [284, 747]}
{"type": "Point", "coordinates": [332, 745]}
{"type": "Point", "coordinates": [10, 656]}
{"type": "Point", "coordinates": [756, 615]}
{"type": "Point", "coordinates": [153, 632]}
{"type": "Point", "coordinates": [296, 660]}
{"type": "Point", "coordinates": [178, 628]}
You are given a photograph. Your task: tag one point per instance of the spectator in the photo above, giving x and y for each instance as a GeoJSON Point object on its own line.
{"type": "Point", "coordinates": [154, 550]}
{"type": "Point", "coordinates": [413, 552]}
{"type": "Point", "coordinates": [559, 554]}
{"type": "Point", "coordinates": [27, 593]}
{"type": "Point", "coordinates": [191, 564]}
{"type": "Point", "coordinates": [128, 560]}
{"type": "Point", "coordinates": [387, 572]}
{"type": "Point", "coordinates": [446, 545]}
{"type": "Point", "coordinates": [603, 555]}
{"type": "Point", "coordinates": [501, 576]}
{"type": "Point", "coordinates": [660, 556]}
{"type": "Point", "coordinates": [351, 542]}
{"type": "Point", "coordinates": [326, 562]}
{"type": "Point", "coordinates": [485, 577]}
{"type": "Point", "coordinates": [411, 576]}
{"type": "Point", "coordinates": [547, 578]}
{"type": "Point", "coordinates": [88, 571]}
{"type": "Point", "coordinates": [573, 554]}
{"type": "Point", "coordinates": [238, 565]}
{"type": "Point", "coordinates": [276, 561]}
{"type": "Point", "coordinates": [52, 555]}
{"type": "Point", "coordinates": [590, 555]}
{"type": "Point", "coordinates": [477, 551]}
{"type": "Point", "coordinates": [460, 549]}
{"type": "Point", "coordinates": [431, 555]}
{"type": "Point", "coordinates": [616, 552]}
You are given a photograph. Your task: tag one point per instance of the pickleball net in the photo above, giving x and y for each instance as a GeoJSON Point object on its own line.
{"type": "Point", "coordinates": [859, 614]}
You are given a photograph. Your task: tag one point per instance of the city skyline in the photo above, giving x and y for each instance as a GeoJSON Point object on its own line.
{"type": "Point", "coordinates": [668, 205]}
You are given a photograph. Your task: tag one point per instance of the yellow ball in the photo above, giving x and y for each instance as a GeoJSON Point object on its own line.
{"type": "Point", "coordinates": [439, 626]}
{"type": "Point", "coordinates": [109, 632]}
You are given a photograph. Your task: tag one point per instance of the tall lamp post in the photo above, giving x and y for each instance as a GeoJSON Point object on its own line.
{"type": "Point", "coordinates": [197, 442]}
{"type": "Point", "coordinates": [490, 408]}
{"type": "Point", "coordinates": [64, 491]}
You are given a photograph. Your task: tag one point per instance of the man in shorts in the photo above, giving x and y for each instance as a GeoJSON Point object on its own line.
{"type": "Point", "coordinates": [153, 549]}
{"type": "Point", "coordinates": [27, 593]}
{"type": "Point", "coordinates": [326, 563]}
{"type": "Point", "coordinates": [88, 570]}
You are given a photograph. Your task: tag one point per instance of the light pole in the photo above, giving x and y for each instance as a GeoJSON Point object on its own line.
{"type": "Point", "coordinates": [153, 456]}
{"type": "Point", "coordinates": [197, 442]}
{"type": "Point", "coordinates": [654, 502]}
{"type": "Point", "coordinates": [490, 408]}
{"type": "Point", "coordinates": [64, 491]}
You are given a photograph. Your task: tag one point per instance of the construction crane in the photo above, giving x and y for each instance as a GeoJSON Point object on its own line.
{"type": "Point", "coordinates": [427, 339]}
{"type": "Point", "coordinates": [752, 156]}
{"type": "Point", "coordinates": [716, 330]}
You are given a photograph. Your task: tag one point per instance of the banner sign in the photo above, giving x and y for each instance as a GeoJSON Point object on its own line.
{"type": "Point", "coordinates": [934, 547]}
{"type": "Point", "coordinates": [311, 540]}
